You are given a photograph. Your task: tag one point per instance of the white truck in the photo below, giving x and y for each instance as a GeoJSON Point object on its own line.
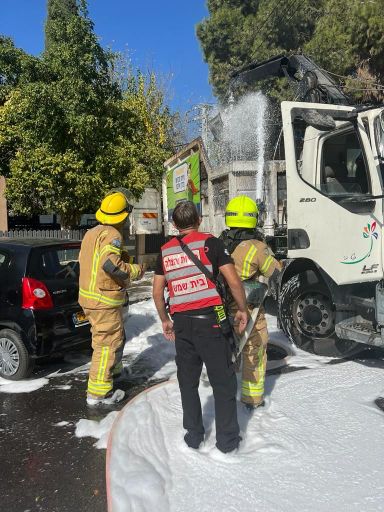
{"type": "Point", "coordinates": [324, 214]}
{"type": "Point", "coordinates": [331, 297]}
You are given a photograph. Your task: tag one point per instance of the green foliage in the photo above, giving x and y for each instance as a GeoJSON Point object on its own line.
{"type": "Point", "coordinates": [70, 133]}
{"type": "Point", "coordinates": [352, 45]}
{"type": "Point", "coordinates": [16, 67]}
{"type": "Point", "coordinates": [52, 182]}
{"type": "Point", "coordinates": [345, 37]}
{"type": "Point", "coordinates": [73, 51]}
{"type": "Point", "coordinates": [238, 33]}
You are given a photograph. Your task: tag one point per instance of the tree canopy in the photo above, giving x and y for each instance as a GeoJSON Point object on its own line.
{"type": "Point", "coordinates": [68, 131]}
{"type": "Point", "coordinates": [352, 45]}
{"type": "Point", "coordinates": [238, 32]}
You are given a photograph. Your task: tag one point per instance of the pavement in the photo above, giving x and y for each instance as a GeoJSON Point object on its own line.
{"type": "Point", "coordinates": [44, 466]}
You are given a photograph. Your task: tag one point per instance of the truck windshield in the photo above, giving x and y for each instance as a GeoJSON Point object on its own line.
{"type": "Point", "coordinates": [343, 170]}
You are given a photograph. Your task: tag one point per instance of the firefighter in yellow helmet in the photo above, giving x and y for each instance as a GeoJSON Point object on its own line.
{"type": "Point", "coordinates": [252, 259]}
{"type": "Point", "coordinates": [104, 276]}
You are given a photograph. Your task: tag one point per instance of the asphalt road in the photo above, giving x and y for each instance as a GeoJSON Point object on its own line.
{"type": "Point", "coordinates": [44, 466]}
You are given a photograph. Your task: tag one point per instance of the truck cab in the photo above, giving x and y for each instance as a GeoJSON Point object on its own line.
{"type": "Point", "coordinates": [331, 299]}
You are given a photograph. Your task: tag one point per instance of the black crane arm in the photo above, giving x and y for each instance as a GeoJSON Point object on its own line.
{"type": "Point", "coordinates": [311, 83]}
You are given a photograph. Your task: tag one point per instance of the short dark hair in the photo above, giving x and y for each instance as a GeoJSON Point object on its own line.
{"type": "Point", "coordinates": [185, 215]}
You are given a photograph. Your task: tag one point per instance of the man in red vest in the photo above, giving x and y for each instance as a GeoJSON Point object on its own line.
{"type": "Point", "coordinates": [195, 325]}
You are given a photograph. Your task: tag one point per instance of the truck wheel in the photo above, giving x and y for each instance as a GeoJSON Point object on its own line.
{"type": "Point", "coordinates": [15, 361]}
{"type": "Point", "coordinates": [307, 317]}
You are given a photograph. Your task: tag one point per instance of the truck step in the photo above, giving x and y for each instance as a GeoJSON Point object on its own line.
{"type": "Point", "coordinates": [363, 304]}
{"type": "Point", "coordinates": [361, 332]}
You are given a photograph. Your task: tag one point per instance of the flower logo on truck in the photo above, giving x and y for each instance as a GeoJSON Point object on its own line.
{"type": "Point", "coordinates": [369, 233]}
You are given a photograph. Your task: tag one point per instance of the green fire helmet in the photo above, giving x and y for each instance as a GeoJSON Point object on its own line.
{"type": "Point", "coordinates": [241, 212]}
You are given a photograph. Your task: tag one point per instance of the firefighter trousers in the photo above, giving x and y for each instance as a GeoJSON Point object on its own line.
{"type": "Point", "coordinates": [108, 338]}
{"type": "Point", "coordinates": [199, 340]}
{"type": "Point", "coordinates": [254, 357]}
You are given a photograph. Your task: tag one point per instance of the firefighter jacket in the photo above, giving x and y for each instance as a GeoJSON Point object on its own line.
{"type": "Point", "coordinates": [188, 288]}
{"type": "Point", "coordinates": [253, 258]}
{"type": "Point", "coordinates": [104, 275]}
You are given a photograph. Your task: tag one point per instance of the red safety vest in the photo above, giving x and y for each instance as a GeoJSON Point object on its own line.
{"type": "Point", "coordinates": [188, 288]}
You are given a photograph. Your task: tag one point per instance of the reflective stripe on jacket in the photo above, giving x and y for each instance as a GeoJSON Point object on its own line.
{"type": "Point", "coordinates": [253, 258]}
{"type": "Point", "coordinates": [188, 288]}
{"type": "Point", "coordinates": [103, 274]}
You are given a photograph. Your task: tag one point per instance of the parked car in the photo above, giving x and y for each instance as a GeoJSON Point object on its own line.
{"type": "Point", "coordinates": [39, 312]}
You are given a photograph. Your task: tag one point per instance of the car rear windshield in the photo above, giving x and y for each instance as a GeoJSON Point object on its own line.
{"type": "Point", "coordinates": [59, 262]}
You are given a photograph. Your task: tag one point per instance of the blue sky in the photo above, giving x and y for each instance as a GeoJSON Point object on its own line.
{"type": "Point", "coordinates": [159, 34]}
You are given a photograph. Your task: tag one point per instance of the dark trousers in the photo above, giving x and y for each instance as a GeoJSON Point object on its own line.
{"type": "Point", "coordinates": [198, 341]}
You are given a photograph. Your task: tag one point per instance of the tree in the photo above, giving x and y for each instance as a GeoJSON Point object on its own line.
{"type": "Point", "coordinates": [57, 11]}
{"type": "Point", "coordinates": [68, 138]}
{"type": "Point", "coordinates": [240, 32]}
{"type": "Point", "coordinates": [352, 45]}
{"type": "Point", "coordinates": [16, 67]}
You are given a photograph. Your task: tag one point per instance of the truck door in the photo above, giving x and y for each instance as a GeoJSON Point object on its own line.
{"type": "Point", "coordinates": [331, 178]}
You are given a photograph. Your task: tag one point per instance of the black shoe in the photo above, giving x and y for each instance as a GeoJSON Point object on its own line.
{"type": "Point", "coordinates": [193, 439]}
{"type": "Point", "coordinates": [230, 448]}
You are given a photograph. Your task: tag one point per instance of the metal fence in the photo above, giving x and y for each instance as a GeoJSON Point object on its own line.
{"type": "Point", "coordinates": [60, 234]}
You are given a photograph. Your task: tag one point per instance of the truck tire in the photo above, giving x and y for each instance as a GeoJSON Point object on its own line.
{"type": "Point", "coordinates": [307, 317]}
{"type": "Point", "coordinates": [15, 361]}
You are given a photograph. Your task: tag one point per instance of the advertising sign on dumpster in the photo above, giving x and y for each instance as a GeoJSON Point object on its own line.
{"type": "Point", "coordinates": [183, 183]}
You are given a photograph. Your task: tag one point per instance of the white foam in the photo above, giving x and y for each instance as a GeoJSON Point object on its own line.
{"type": "Point", "coordinates": [316, 445]}
{"type": "Point", "coordinates": [97, 429]}
{"type": "Point", "coordinates": [21, 386]}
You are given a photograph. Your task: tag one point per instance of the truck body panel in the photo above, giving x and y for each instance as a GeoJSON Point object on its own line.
{"type": "Point", "coordinates": [344, 237]}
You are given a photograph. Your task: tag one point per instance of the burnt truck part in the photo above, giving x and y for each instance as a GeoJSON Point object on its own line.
{"type": "Point", "coordinates": [309, 82]}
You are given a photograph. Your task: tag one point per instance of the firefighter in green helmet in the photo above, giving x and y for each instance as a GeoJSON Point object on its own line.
{"type": "Point", "coordinates": [252, 259]}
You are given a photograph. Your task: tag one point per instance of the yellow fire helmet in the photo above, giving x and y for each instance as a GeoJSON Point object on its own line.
{"type": "Point", "coordinates": [114, 209]}
{"type": "Point", "coordinates": [241, 212]}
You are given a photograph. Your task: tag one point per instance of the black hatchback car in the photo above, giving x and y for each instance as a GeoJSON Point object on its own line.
{"type": "Point", "coordinates": [39, 312]}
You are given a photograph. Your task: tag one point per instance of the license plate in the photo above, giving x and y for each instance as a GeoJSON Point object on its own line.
{"type": "Point", "coordinates": [79, 319]}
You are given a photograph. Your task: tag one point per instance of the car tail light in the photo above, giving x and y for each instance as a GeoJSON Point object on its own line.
{"type": "Point", "coordinates": [35, 295]}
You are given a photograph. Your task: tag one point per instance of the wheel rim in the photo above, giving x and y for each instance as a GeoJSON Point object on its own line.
{"type": "Point", "coordinates": [9, 357]}
{"type": "Point", "coordinates": [314, 315]}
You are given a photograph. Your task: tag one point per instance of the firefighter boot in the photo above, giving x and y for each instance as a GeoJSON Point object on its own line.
{"type": "Point", "coordinates": [110, 399]}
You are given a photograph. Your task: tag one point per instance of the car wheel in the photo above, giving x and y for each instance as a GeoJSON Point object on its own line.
{"type": "Point", "coordinates": [307, 317]}
{"type": "Point", "coordinates": [15, 361]}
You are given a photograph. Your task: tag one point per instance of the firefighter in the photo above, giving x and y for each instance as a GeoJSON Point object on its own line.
{"type": "Point", "coordinates": [196, 306]}
{"type": "Point", "coordinates": [105, 275]}
{"type": "Point", "coordinates": [252, 259]}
